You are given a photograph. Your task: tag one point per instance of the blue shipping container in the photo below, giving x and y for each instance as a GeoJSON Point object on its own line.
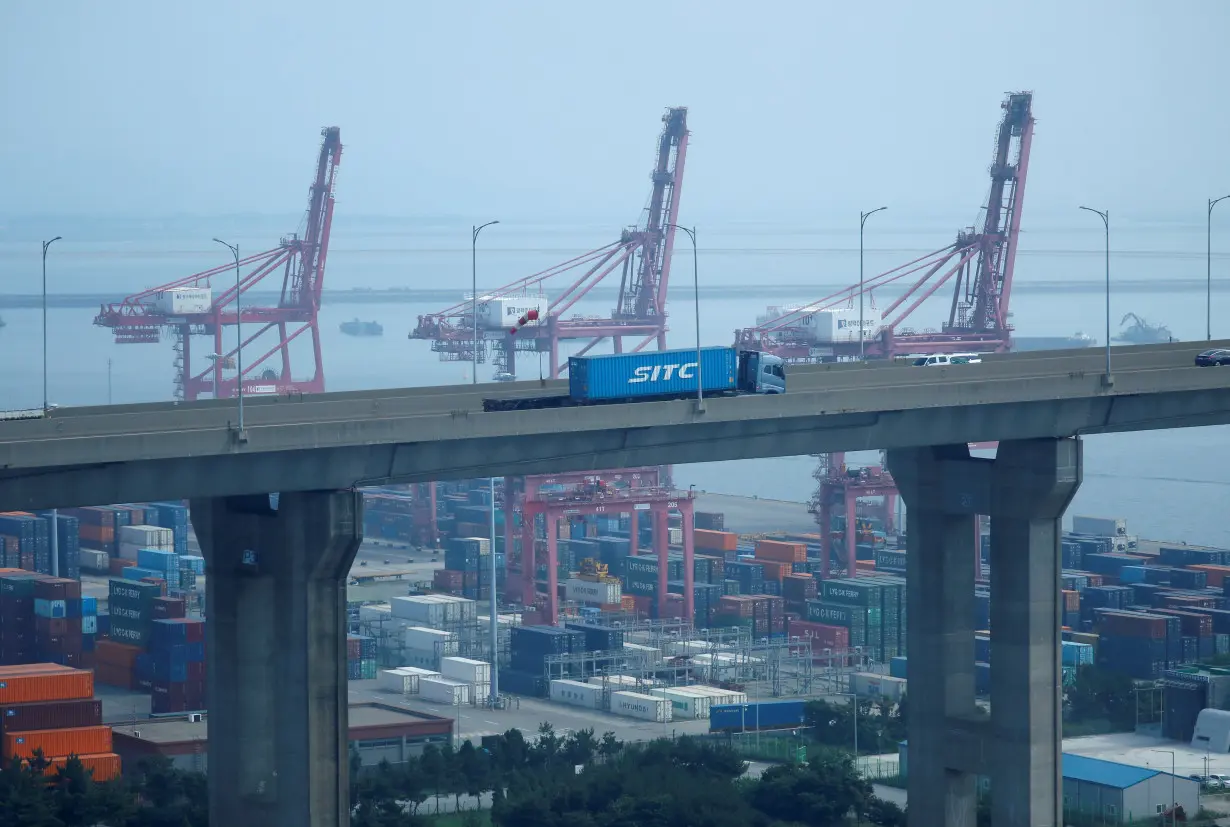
{"type": "Point", "coordinates": [660, 373]}
{"type": "Point", "coordinates": [897, 667]}
{"type": "Point", "coordinates": [766, 715]}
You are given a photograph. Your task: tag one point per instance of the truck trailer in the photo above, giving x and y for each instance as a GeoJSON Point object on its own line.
{"type": "Point", "coordinates": [657, 376]}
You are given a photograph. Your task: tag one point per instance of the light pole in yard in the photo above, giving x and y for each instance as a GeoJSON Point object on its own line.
{"type": "Point", "coordinates": [862, 220]}
{"type": "Point", "coordinates": [234, 248]}
{"type": "Point", "coordinates": [1108, 379]}
{"type": "Point", "coordinates": [1208, 286]}
{"type": "Point", "coordinates": [55, 517]}
{"type": "Point", "coordinates": [474, 231]}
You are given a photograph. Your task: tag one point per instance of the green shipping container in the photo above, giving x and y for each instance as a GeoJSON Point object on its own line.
{"type": "Point", "coordinates": [852, 591]}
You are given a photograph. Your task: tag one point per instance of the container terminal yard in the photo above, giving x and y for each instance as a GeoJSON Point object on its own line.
{"type": "Point", "coordinates": [512, 552]}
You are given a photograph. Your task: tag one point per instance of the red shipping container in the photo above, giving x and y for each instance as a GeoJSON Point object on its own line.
{"type": "Point", "coordinates": [1130, 624]}
{"type": "Point", "coordinates": [353, 648]}
{"type": "Point", "coordinates": [57, 588]}
{"type": "Point", "coordinates": [1191, 624]}
{"type": "Point", "coordinates": [1216, 574]}
{"type": "Point", "coordinates": [108, 652]}
{"type": "Point", "coordinates": [51, 715]}
{"type": "Point", "coordinates": [50, 627]}
{"type": "Point", "coordinates": [781, 552]}
{"type": "Point", "coordinates": [1071, 601]}
{"type": "Point", "coordinates": [158, 581]}
{"type": "Point", "coordinates": [168, 608]}
{"type": "Point", "coordinates": [118, 564]}
{"type": "Point", "coordinates": [735, 605]}
{"type": "Point", "coordinates": [715, 540]}
{"type": "Point", "coordinates": [196, 670]}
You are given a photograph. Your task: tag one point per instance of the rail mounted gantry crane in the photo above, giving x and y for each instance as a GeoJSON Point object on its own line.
{"type": "Point", "coordinates": [188, 307]}
{"type": "Point", "coordinates": [981, 263]}
{"type": "Point", "coordinates": [642, 256]}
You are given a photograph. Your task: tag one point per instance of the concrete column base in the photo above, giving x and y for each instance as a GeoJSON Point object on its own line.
{"type": "Point", "coordinates": [276, 631]}
{"type": "Point", "coordinates": [1025, 490]}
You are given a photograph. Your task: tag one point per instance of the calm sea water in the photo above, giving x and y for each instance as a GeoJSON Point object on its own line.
{"type": "Point", "coordinates": [1170, 485]}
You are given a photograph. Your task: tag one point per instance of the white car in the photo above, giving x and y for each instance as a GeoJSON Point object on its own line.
{"type": "Point", "coordinates": [949, 359]}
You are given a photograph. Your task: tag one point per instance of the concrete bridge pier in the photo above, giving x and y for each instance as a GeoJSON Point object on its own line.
{"type": "Point", "coordinates": [276, 655]}
{"type": "Point", "coordinates": [1025, 490]}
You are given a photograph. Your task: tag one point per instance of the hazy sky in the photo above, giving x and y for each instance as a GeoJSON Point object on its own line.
{"type": "Point", "coordinates": [551, 109]}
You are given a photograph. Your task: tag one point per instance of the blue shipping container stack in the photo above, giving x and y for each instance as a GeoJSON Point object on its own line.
{"type": "Point", "coordinates": [165, 564]}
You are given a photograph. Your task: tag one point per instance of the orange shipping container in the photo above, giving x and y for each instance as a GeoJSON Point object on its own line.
{"type": "Point", "coordinates": [87, 740]}
{"type": "Point", "coordinates": [104, 766]}
{"type": "Point", "coordinates": [116, 654]}
{"type": "Point", "coordinates": [626, 603]}
{"type": "Point", "coordinates": [118, 564]}
{"type": "Point", "coordinates": [1216, 574]}
{"type": "Point", "coordinates": [715, 540]}
{"type": "Point", "coordinates": [775, 571]}
{"type": "Point", "coordinates": [781, 552]}
{"type": "Point", "coordinates": [44, 682]}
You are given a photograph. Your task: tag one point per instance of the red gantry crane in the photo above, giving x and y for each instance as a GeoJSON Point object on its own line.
{"type": "Point", "coordinates": [641, 256]}
{"type": "Point", "coordinates": [188, 307]}
{"type": "Point", "coordinates": [979, 262]}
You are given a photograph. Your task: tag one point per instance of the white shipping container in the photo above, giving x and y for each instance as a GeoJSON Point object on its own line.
{"type": "Point", "coordinates": [147, 536]}
{"type": "Point", "coordinates": [870, 685]}
{"type": "Point", "coordinates": [614, 681]}
{"type": "Point", "coordinates": [644, 707]}
{"type": "Point", "coordinates": [587, 591]}
{"type": "Point", "coordinates": [95, 560]}
{"type": "Point", "coordinates": [375, 614]}
{"type": "Point", "coordinates": [457, 608]}
{"type": "Point", "coordinates": [675, 536]}
{"type": "Point", "coordinates": [576, 693]}
{"type": "Point", "coordinates": [1100, 526]}
{"type": "Point", "coordinates": [444, 691]}
{"type": "Point", "coordinates": [466, 669]}
{"type": "Point", "coordinates": [430, 640]}
{"type": "Point", "coordinates": [181, 300]}
{"type": "Point", "coordinates": [503, 312]}
{"type": "Point", "coordinates": [404, 679]}
{"type": "Point", "coordinates": [837, 325]}
{"type": "Point", "coordinates": [684, 704]}
{"type": "Point", "coordinates": [423, 609]}
{"type": "Point", "coordinates": [482, 691]}
{"type": "Point", "coordinates": [649, 654]}
{"type": "Point", "coordinates": [720, 696]}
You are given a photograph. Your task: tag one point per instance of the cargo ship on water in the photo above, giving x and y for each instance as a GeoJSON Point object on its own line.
{"type": "Point", "coordinates": [358, 328]}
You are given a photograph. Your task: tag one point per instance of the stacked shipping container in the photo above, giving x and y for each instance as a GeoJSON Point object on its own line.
{"type": "Point", "coordinates": [45, 619]}
{"type": "Point", "coordinates": [51, 709]}
{"type": "Point", "coordinates": [360, 658]}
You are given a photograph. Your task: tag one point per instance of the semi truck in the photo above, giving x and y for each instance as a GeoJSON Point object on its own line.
{"type": "Point", "coordinates": [657, 376]}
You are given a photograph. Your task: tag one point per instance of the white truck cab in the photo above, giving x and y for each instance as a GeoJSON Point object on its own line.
{"type": "Point", "coordinates": [949, 359]}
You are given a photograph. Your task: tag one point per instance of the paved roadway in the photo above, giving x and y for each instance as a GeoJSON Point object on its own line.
{"type": "Point", "coordinates": [82, 456]}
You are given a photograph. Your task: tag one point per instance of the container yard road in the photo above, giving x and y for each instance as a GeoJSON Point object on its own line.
{"type": "Point", "coordinates": [275, 606]}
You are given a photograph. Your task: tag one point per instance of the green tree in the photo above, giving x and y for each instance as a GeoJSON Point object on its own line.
{"type": "Point", "coordinates": [78, 800]}
{"type": "Point", "coordinates": [433, 767]}
{"type": "Point", "coordinates": [884, 813]}
{"type": "Point", "coordinates": [1101, 695]}
{"type": "Point", "coordinates": [609, 746]}
{"type": "Point", "coordinates": [821, 793]}
{"type": "Point", "coordinates": [24, 801]}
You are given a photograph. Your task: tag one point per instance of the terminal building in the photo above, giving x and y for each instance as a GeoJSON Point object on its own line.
{"type": "Point", "coordinates": [380, 732]}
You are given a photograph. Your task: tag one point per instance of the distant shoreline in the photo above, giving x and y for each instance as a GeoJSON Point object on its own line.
{"type": "Point", "coordinates": [776, 292]}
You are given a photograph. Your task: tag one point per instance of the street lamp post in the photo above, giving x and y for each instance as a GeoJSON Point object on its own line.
{"type": "Point", "coordinates": [55, 517]}
{"type": "Point", "coordinates": [862, 220]}
{"type": "Point", "coordinates": [495, 619]}
{"type": "Point", "coordinates": [1209, 268]}
{"type": "Point", "coordinates": [1108, 379]}
{"type": "Point", "coordinates": [46, 244]}
{"type": "Point", "coordinates": [234, 248]}
{"type": "Point", "coordinates": [700, 393]}
{"type": "Point", "coordinates": [474, 231]}
{"type": "Point", "coordinates": [1173, 803]}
